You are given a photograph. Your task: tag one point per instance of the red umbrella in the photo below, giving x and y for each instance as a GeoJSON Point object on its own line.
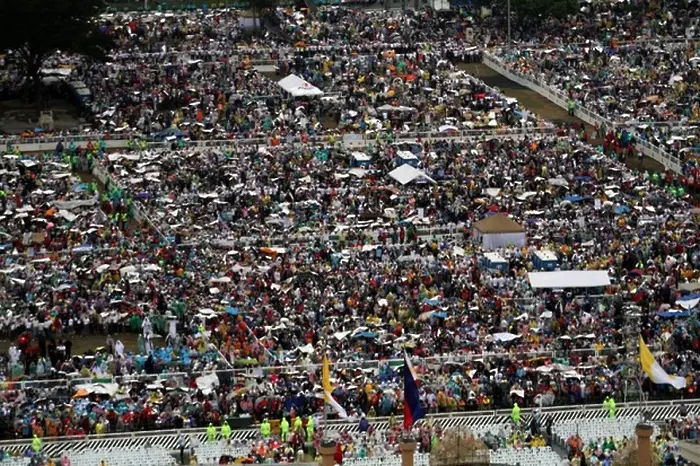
{"type": "Point", "coordinates": [275, 444]}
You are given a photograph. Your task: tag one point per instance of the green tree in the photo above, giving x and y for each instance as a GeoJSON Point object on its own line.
{"type": "Point", "coordinates": [544, 8]}
{"type": "Point", "coordinates": [33, 30]}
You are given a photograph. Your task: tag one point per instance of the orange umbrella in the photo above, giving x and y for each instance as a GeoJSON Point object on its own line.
{"type": "Point", "coordinates": [81, 393]}
{"type": "Point", "coordinates": [268, 251]}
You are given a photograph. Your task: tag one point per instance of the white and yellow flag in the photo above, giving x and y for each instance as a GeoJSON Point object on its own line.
{"type": "Point", "coordinates": [655, 372]}
{"type": "Point", "coordinates": [328, 390]}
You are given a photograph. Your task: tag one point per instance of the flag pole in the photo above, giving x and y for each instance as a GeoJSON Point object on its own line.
{"type": "Point", "coordinates": [405, 368]}
{"type": "Point", "coordinates": [325, 401]}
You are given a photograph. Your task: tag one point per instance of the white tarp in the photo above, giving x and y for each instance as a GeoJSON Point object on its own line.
{"type": "Point", "coordinates": [207, 382]}
{"type": "Point", "coordinates": [298, 87]}
{"type": "Point", "coordinates": [504, 336]}
{"type": "Point", "coordinates": [689, 304]}
{"type": "Point", "coordinates": [306, 349]}
{"type": "Point", "coordinates": [569, 279]}
{"type": "Point", "coordinates": [406, 173]}
{"type": "Point", "coordinates": [100, 388]}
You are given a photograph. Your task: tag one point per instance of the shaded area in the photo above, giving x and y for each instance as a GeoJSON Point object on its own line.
{"type": "Point", "coordinates": [84, 343]}
{"type": "Point", "coordinates": [17, 116]}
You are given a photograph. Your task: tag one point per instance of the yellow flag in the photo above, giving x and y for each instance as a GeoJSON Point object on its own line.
{"type": "Point", "coordinates": [326, 377]}
{"type": "Point", "coordinates": [328, 389]}
{"type": "Point", "coordinates": [654, 370]}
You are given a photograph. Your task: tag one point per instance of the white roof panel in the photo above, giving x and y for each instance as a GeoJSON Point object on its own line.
{"type": "Point", "coordinates": [299, 87]}
{"type": "Point", "coordinates": [569, 279]}
{"type": "Point", "coordinates": [406, 173]}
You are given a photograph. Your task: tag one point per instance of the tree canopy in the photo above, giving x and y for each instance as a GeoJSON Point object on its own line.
{"type": "Point", "coordinates": [33, 30]}
{"type": "Point", "coordinates": [545, 8]}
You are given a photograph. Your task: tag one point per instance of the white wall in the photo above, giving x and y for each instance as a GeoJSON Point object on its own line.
{"type": "Point", "coordinates": [491, 241]}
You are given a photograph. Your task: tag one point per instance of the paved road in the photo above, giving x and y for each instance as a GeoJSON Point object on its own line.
{"type": "Point", "coordinates": [169, 439]}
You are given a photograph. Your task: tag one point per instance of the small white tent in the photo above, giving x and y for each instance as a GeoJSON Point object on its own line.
{"type": "Point", "coordinates": [406, 173]}
{"type": "Point", "coordinates": [299, 87]}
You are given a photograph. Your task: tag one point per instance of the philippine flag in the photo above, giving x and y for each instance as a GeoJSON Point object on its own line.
{"type": "Point", "coordinates": [412, 409]}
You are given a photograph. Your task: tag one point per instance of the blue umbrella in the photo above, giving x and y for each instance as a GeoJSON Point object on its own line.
{"type": "Point", "coordinates": [621, 209]}
{"type": "Point", "coordinates": [232, 311]}
{"type": "Point", "coordinates": [574, 198]}
{"type": "Point", "coordinates": [432, 301]}
{"type": "Point", "coordinates": [366, 335]}
{"type": "Point", "coordinates": [439, 315]}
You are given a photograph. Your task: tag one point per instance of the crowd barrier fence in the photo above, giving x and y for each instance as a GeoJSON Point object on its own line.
{"type": "Point", "coordinates": [650, 150]}
{"type": "Point", "coordinates": [250, 371]}
{"type": "Point", "coordinates": [340, 424]}
{"type": "Point", "coordinates": [115, 142]}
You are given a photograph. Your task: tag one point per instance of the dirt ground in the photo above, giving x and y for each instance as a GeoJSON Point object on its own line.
{"type": "Point", "coordinates": [541, 106]}
{"type": "Point", "coordinates": [17, 117]}
{"type": "Point", "coordinates": [85, 343]}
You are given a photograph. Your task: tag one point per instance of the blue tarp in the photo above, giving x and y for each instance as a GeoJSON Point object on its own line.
{"type": "Point", "coordinates": [621, 209]}
{"type": "Point", "coordinates": [432, 301]}
{"type": "Point", "coordinates": [440, 315]}
{"type": "Point", "coordinates": [232, 311]}
{"type": "Point", "coordinates": [690, 297]}
{"type": "Point", "coordinates": [366, 335]}
{"type": "Point", "coordinates": [170, 132]}
{"type": "Point", "coordinates": [575, 198]}
{"type": "Point", "coordinates": [674, 314]}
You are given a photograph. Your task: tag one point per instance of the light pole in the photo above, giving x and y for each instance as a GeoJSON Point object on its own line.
{"type": "Point", "coordinates": [508, 46]}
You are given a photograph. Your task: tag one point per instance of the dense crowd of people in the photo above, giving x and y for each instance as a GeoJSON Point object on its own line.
{"type": "Point", "coordinates": [360, 280]}
{"type": "Point", "coordinates": [649, 86]}
{"type": "Point", "coordinates": [255, 260]}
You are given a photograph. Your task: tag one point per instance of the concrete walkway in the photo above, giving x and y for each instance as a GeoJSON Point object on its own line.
{"type": "Point", "coordinates": [543, 107]}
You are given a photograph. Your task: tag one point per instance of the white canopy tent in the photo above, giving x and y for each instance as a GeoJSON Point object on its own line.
{"type": "Point", "coordinates": [406, 173]}
{"type": "Point", "coordinates": [299, 87]}
{"type": "Point", "coordinates": [569, 279]}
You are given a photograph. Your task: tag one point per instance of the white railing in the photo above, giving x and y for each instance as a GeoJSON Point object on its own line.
{"type": "Point", "coordinates": [367, 364]}
{"type": "Point", "coordinates": [638, 41]}
{"type": "Point", "coordinates": [656, 153]}
{"type": "Point", "coordinates": [121, 141]}
{"type": "Point", "coordinates": [576, 410]}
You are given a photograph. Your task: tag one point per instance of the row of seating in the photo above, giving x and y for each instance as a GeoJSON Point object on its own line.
{"type": "Point", "coordinates": [136, 457]}
{"type": "Point", "coordinates": [15, 461]}
{"type": "Point", "coordinates": [210, 453]}
{"type": "Point", "coordinates": [525, 457]}
{"type": "Point", "coordinates": [594, 430]}
{"type": "Point", "coordinates": [420, 459]}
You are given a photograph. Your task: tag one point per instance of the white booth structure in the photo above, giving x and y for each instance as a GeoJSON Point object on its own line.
{"type": "Point", "coordinates": [499, 231]}
{"type": "Point", "coordinates": [298, 87]}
